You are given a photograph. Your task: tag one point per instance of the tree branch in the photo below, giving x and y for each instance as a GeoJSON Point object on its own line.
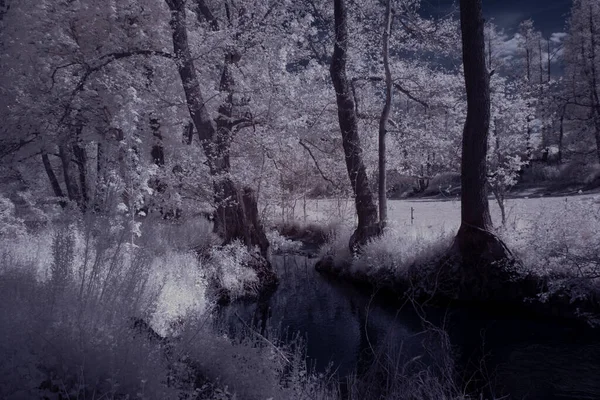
{"type": "Point", "coordinates": [397, 86]}
{"type": "Point", "coordinates": [104, 61]}
{"type": "Point", "coordinates": [303, 144]}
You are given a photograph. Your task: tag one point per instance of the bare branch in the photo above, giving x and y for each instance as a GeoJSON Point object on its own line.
{"type": "Point", "coordinates": [303, 144]}
{"type": "Point", "coordinates": [397, 86]}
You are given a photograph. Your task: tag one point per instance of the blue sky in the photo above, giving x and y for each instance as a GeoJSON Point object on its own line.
{"type": "Point", "coordinates": [549, 15]}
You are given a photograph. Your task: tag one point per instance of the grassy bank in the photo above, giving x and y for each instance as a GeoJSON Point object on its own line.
{"type": "Point", "coordinates": [555, 240]}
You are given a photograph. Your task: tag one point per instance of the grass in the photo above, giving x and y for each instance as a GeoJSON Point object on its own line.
{"type": "Point", "coordinates": [93, 309]}
{"type": "Point", "coordinates": [68, 293]}
{"type": "Point", "coordinates": [556, 239]}
{"type": "Point", "coordinates": [100, 308]}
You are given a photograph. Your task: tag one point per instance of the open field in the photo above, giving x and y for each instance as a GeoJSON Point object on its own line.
{"type": "Point", "coordinates": [445, 214]}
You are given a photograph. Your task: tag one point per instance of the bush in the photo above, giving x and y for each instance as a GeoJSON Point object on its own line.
{"type": "Point", "coordinates": [10, 225]}
{"type": "Point", "coordinates": [229, 268]}
{"type": "Point", "coordinates": [560, 243]}
{"type": "Point", "coordinates": [575, 173]}
{"type": "Point", "coordinates": [77, 329]}
{"type": "Point", "coordinates": [446, 183]}
{"type": "Point", "coordinates": [389, 256]}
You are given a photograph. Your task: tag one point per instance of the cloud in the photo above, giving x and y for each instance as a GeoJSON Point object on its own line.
{"type": "Point", "coordinates": [508, 47]}
{"type": "Point", "coordinates": [558, 37]}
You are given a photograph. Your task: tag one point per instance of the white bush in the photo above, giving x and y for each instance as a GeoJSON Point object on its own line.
{"type": "Point", "coordinates": [10, 225]}
{"type": "Point", "coordinates": [229, 266]}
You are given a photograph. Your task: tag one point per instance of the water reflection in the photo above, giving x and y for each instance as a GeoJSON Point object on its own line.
{"type": "Point", "coordinates": [523, 359]}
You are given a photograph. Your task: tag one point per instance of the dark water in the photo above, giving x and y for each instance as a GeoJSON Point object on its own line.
{"type": "Point", "coordinates": [520, 358]}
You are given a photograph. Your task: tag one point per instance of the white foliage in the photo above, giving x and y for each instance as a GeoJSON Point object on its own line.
{"type": "Point", "coordinates": [229, 265]}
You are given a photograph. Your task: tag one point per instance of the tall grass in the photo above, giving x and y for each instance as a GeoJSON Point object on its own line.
{"type": "Point", "coordinates": [390, 255]}
{"type": "Point", "coordinates": [96, 308]}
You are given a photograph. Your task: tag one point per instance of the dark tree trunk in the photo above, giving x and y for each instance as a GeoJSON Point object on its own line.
{"type": "Point", "coordinates": [53, 180]}
{"type": "Point", "coordinates": [81, 161]}
{"type": "Point", "coordinates": [236, 215]}
{"type": "Point", "coordinates": [385, 115]}
{"type": "Point", "coordinates": [65, 153]}
{"type": "Point", "coordinates": [365, 206]}
{"type": "Point", "coordinates": [594, 83]}
{"type": "Point", "coordinates": [100, 188]}
{"type": "Point", "coordinates": [541, 64]}
{"type": "Point", "coordinates": [561, 134]}
{"type": "Point", "coordinates": [549, 64]}
{"type": "Point", "coordinates": [158, 151]}
{"type": "Point", "coordinates": [188, 134]}
{"type": "Point", "coordinates": [474, 201]}
{"type": "Point", "coordinates": [478, 248]}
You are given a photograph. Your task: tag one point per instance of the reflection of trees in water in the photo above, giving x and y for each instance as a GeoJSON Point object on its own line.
{"type": "Point", "coordinates": [339, 323]}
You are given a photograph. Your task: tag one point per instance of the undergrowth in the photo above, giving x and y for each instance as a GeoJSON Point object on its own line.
{"type": "Point", "coordinates": [107, 308]}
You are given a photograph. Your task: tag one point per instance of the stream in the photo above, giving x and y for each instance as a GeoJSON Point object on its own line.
{"type": "Point", "coordinates": [521, 358]}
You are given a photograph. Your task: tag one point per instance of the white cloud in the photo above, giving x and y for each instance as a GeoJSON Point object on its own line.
{"type": "Point", "coordinates": [558, 37]}
{"type": "Point", "coordinates": [508, 47]}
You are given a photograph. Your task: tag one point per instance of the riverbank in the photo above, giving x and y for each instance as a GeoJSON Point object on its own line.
{"type": "Point", "coordinates": [554, 242]}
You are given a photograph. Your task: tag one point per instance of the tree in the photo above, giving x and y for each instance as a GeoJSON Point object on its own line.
{"type": "Point", "coordinates": [510, 109]}
{"type": "Point", "coordinates": [236, 214]}
{"type": "Point", "coordinates": [479, 249]}
{"type": "Point", "coordinates": [582, 55]}
{"type": "Point", "coordinates": [385, 115]}
{"type": "Point", "coordinates": [348, 121]}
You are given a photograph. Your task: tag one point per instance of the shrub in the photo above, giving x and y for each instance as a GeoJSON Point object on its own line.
{"type": "Point", "coordinates": [10, 225]}
{"type": "Point", "coordinates": [446, 182]}
{"type": "Point", "coordinates": [229, 268]}
{"type": "Point", "coordinates": [279, 243]}
{"type": "Point", "coordinates": [389, 256]}
{"type": "Point", "coordinates": [560, 243]}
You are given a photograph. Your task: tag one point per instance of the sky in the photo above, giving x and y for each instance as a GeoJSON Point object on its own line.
{"type": "Point", "coordinates": [548, 15]}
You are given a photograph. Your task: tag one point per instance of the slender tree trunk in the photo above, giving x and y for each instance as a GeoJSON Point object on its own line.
{"type": "Point", "coordinates": [100, 191]}
{"type": "Point", "coordinates": [65, 152]}
{"type": "Point", "coordinates": [541, 63]}
{"type": "Point", "coordinates": [236, 215]}
{"type": "Point", "coordinates": [385, 115]}
{"type": "Point", "coordinates": [549, 64]}
{"type": "Point", "coordinates": [158, 151]}
{"type": "Point", "coordinates": [53, 180]}
{"type": "Point", "coordinates": [188, 135]}
{"type": "Point", "coordinates": [561, 134]}
{"type": "Point", "coordinates": [528, 65]}
{"type": "Point", "coordinates": [365, 206]}
{"type": "Point", "coordinates": [81, 161]}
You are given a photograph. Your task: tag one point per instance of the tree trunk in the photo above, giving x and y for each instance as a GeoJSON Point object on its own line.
{"type": "Point", "coordinates": [81, 161]}
{"type": "Point", "coordinates": [385, 115]}
{"type": "Point", "coordinates": [549, 66]}
{"type": "Point", "coordinates": [158, 151]}
{"type": "Point", "coordinates": [365, 206]}
{"type": "Point", "coordinates": [594, 83]}
{"type": "Point", "coordinates": [188, 134]}
{"type": "Point", "coordinates": [474, 202]}
{"type": "Point", "coordinates": [53, 180]}
{"type": "Point", "coordinates": [100, 191]}
{"type": "Point", "coordinates": [541, 63]}
{"type": "Point", "coordinates": [528, 65]}
{"type": "Point", "coordinates": [561, 134]}
{"type": "Point", "coordinates": [478, 247]}
{"type": "Point", "coordinates": [236, 215]}
{"type": "Point", "coordinates": [65, 152]}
